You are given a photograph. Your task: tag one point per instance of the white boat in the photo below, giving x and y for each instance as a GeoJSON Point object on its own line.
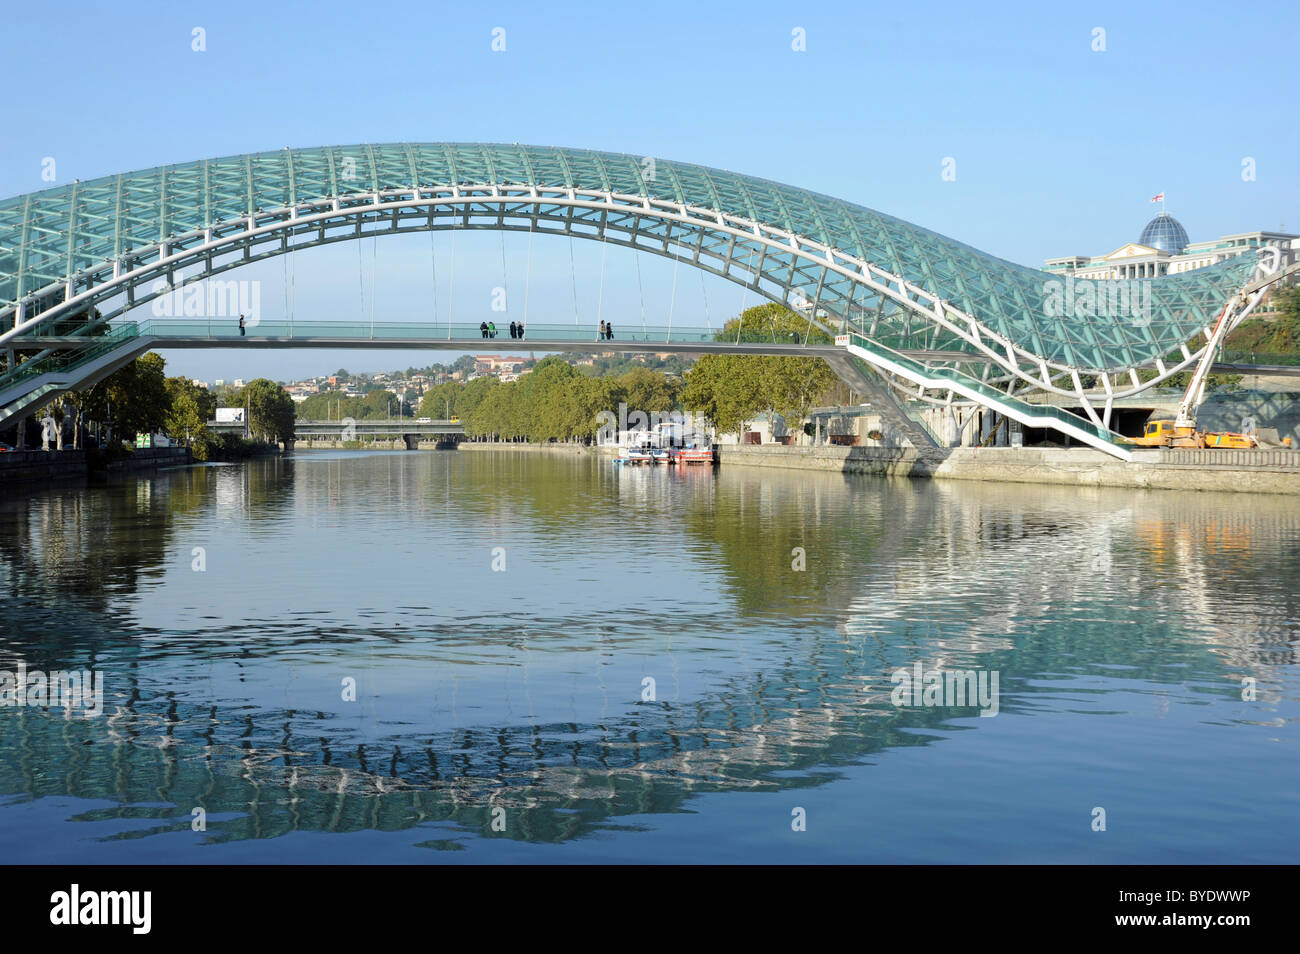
{"type": "Point", "coordinates": [630, 455]}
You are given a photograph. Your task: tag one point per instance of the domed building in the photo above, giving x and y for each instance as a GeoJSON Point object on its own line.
{"type": "Point", "coordinates": [1164, 233]}
{"type": "Point", "coordinates": [1163, 249]}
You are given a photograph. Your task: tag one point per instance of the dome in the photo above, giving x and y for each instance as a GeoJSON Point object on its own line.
{"type": "Point", "coordinates": [1165, 233]}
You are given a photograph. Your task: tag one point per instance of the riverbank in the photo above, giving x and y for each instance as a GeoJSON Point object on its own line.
{"type": "Point", "coordinates": [1238, 471]}
{"type": "Point", "coordinates": [144, 459]}
{"type": "Point", "coordinates": [19, 468]}
{"type": "Point", "coordinates": [563, 450]}
{"type": "Point", "coordinates": [1257, 471]}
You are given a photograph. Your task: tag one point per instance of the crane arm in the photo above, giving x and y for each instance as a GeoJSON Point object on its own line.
{"type": "Point", "coordinates": [1234, 312]}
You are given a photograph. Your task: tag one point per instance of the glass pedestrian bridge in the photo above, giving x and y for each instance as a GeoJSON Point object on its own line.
{"type": "Point", "coordinates": [226, 330]}
{"type": "Point", "coordinates": [77, 255]}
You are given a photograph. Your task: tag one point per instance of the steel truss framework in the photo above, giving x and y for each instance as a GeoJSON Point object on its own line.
{"type": "Point", "coordinates": [106, 243]}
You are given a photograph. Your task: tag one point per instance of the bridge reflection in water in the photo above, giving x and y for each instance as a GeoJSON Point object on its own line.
{"type": "Point", "coordinates": [767, 679]}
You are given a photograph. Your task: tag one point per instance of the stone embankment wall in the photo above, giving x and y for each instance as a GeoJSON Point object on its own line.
{"type": "Point", "coordinates": [1256, 471]}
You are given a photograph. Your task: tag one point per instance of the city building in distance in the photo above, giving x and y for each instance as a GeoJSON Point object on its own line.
{"type": "Point", "coordinates": [1163, 249]}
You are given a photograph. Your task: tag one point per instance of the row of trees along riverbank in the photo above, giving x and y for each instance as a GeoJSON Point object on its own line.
{"type": "Point", "coordinates": [139, 398]}
{"type": "Point", "coordinates": [558, 401]}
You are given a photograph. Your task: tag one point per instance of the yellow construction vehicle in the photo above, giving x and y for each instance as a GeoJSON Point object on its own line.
{"type": "Point", "coordinates": [1167, 433]}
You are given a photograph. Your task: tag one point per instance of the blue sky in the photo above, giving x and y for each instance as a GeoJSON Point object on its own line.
{"type": "Point", "coordinates": [1058, 147]}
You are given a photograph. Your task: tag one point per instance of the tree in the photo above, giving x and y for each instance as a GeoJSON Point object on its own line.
{"type": "Point", "coordinates": [772, 323]}
{"type": "Point", "coordinates": [470, 396]}
{"type": "Point", "coordinates": [322, 407]}
{"type": "Point", "coordinates": [545, 397]}
{"type": "Point", "coordinates": [732, 389]}
{"type": "Point", "coordinates": [190, 410]}
{"type": "Point", "coordinates": [648, 390]}
{"type": "Point", "coordinates": [439, 402]}
{"type": "Point", "coordinates": [270, 410]}
{"type": "Point", "coordinates": [480, 412]}
{"type": "Point", "coordinates": [133, 399]}
{"type": "Point", "coordinates": [726, 389]}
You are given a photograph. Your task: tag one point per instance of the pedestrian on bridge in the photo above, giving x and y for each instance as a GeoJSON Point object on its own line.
{"type": "Point", "coordinates": [482, 328]}
{"type": "Point", "coordinates": [602, 331]}
{"type": "Point", "coordinates": [514, 330]}
{"type": "Point", "coordinates": [492, 329]}
{"type": "Point", "coordinates": [609, 331]}
{"type": "Point", "coordinates": [241, 326]}
{"type": "Point", "coordinates": [521, 329]}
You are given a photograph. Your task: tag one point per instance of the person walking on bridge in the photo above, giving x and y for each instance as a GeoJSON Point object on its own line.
{"type": "Point", "coordinates": [492, 329]}
{"type": "Point", "coordinates": [609, 331]}
{"type": "Point", "coordinates": [514, 330]}
{"type": "Point", "coordinates": [602, 331]}
{"type": "Point", "coordinates": [482, 328]}
{"type": "Point", "coordinates": [521, 330]}
{"type": "Point", "coordinates": [241, 326]}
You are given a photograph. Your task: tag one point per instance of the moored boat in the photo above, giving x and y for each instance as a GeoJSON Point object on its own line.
{"type": "Point", "coordinates": [631, 456]}
{"type": "Point", "coordinates": [697, 455]}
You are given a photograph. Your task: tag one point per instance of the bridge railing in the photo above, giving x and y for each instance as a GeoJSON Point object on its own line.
{"type": "Point", "coordinates": [995, 395]}
{"type": "Point", "coordinates": [94, 348]}
{"type": "Point", "coordinates": [228, 329]}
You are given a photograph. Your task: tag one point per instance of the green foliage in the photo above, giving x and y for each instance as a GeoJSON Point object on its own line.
{"type": "Point", "coordinates": [133, 400]}
{"type": "Point", "coordinates": [726, 389]}
{"type": "Point", "coordinates": [730, 390]}
{"type": "Point", "coordinates": [375, 405]}
{"type": "Point", "coordinates": [471, 395]}
{"type": "Point", "coordinates": [554, 401]}
{"type": "Point", "coordinates": [439, 402]}
{"type": "Point", "coordinates": [1278, 333]}
{"type": "Point", "coordinates": [772, 322]}
{"type": "Point", "coordinates": [232, 447]}
{"type": "Point", "coordinates": [191, 407]}
{"type": "Point", "coordinates": [270, 410]}
{"type": "Point", "coordinates": [620, 364]}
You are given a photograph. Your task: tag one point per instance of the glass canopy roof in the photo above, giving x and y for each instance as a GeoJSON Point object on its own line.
{"type": "Point", "coordinates": [49, 236]}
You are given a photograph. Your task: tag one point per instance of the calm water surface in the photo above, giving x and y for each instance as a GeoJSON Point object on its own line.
{"type": "Point", "coordinates": [647, 678]}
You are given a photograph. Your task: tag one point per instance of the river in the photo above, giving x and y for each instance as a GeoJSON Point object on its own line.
{"type": "Point", "coordinates": [498, 657]}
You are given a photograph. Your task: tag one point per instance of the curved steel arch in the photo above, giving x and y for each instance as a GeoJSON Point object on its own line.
{"type": "Point", "coordinates": [67, 237]}
{"type": "Point", "coordinates": [895, 285]}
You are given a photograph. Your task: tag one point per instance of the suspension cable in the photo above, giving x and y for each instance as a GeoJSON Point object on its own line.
{"type": "Point", "coordinates": [528, 269]}
{"type": "Point", "coordinates": [573, 278]}
{"type": "Point", "coordinates": [640, 291]}
{"type": "Point", "coordinates": [707, 320]}
{"type": "Point", "coordinates": [361, 274]}
{"type": "Point", "coordinates": [505, 277]}
{"type": "Point", "coordinates": [672, 301]}
{"type": "Point", "coordinates": [744, 297]}
{"type": "Point", "coordinates": [600, 296]}
{"type": "Point", "coordinates": [293, 287]}
{"type": "Point", "coordinates": [374, 288]}
{"type": "Point", "coordinates": [433, 270]}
